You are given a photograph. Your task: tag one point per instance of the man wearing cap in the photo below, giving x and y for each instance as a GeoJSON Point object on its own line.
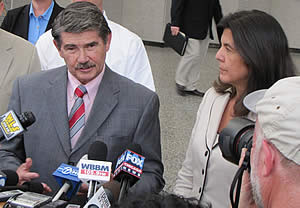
{"type": "Point", "coordinates": [275, 156]}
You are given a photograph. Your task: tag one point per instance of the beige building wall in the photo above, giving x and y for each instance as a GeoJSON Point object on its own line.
{"type": "Point", "coordinates": [287, 13]}
{"type": "Point", "coordinates": [148, 18]}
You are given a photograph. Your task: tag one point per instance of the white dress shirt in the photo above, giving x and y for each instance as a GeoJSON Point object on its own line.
{"type": "Point", "coordinates": [126, 56]}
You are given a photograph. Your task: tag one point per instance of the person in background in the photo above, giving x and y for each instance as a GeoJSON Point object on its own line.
{"type": "Point", "coordinates": [254, 54]}
{"type": "Point", "coordinates": [17, 57]}
{"type": "Point", "coordinates": [274, 180]}
{"type": "Point", "coordinates": [80, 103]}
{"type": "Point", "coordinates": [126, 56]}
{"type": "Point", "coordinates": [32, 20]}
{"type": "Point", "coordinates": [194, 19]}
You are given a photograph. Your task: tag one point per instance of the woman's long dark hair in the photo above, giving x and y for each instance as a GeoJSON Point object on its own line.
{"type": "Point", "coordinates": [263, 46]}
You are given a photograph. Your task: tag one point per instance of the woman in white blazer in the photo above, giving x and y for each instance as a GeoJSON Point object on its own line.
{"type": "Point", "coordinates": [254, 54]}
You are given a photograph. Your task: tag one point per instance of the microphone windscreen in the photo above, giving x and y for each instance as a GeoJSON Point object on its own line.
{"type": "Point", "coordinates": [97, 151]}
{"type": "Point", "coordinates": [115, 151]}
{"type": "Point", "coordinates": [118, 150]}
{"type": "Point", "coordinates": [34, 187]}
{"type": "Point", "coordinates": [135, 148]}
{"type": "Point", "coordinates": [12, 177]}
{"type": "Point", "coordinates": [27, 119]}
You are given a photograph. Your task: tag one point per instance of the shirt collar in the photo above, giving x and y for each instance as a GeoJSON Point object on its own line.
{"type": "Point", "coordinates": [104, 14]}
{"type": "Point", "coordinates": [91, 87]}
{"type": "Point", "coordinates": [47, 13]}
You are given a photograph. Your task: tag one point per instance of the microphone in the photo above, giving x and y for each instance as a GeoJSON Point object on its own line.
{"type": "Point", "coordinates": [99, 200]}
{"type": "Point", "coordinates": [31, 186]}
{"type": "Point", "coordinates": [97, 151]}
{"type": "Point", "coordinates": [12, 125]}
{"type": "Point", "coordinates": [95, 169]}
{"type": "Point", "coordinates": [129, 168]}
{"type": "Point", "coordinates": [112, 190]}
{"type": "Point", "coordinates": [5, 195]}
{"type": "Point", "coordinates": [8, 178]}
{"type": "Point", "coordinates": [67, 178]}
{"type": "Point", "coordinates": [27, 200]}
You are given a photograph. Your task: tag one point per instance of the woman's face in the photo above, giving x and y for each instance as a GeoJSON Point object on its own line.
{"type": "Point", "coordinates": [232, 68]}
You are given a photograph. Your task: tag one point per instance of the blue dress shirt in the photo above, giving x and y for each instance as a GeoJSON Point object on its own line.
{"type": "Point", "coordinates": [38, 25]}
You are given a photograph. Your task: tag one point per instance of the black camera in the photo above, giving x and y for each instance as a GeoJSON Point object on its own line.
{"type": "Point", "coordinates": [235, 136]}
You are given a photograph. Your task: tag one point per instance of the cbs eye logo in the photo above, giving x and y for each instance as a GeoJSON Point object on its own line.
{"type": "Point", "coordinates": [2, 182]}
{"type": "Point", "coordinates": [93, 206]}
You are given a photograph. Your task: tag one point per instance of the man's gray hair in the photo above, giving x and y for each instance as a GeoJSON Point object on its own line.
{"type": "Point", "coordinates": [80, 17]}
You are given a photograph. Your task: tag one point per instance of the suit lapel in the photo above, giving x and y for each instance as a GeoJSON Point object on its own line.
{"type": "Point", "coordinates": [24, 17]}
{"type": "Point", "coordinates": [57, 104]}
{"type": "Point", "coordinates": [5, 60]}
{"type": "Point", "coordinates": [5, 57]}
{"type": "Point", "coordinates": [104, 103]}
{"type": "Point", "coordinates": [56, 10]}
{"type": "Point", "coordinates": [216, 113]}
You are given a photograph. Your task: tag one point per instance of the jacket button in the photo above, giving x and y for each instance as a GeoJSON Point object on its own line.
{"type": "Point", "coordinates": [200, 190]}
{"type": "Point", "coordinates": [202, 171]}
{"type": "Point", "coordinates": [206, 153]}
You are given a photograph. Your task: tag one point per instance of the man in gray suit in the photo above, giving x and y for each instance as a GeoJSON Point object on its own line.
{"type": "Point", "coordinates": [17, 57]}
{"type": "Point", "coordinates": [108, 107]}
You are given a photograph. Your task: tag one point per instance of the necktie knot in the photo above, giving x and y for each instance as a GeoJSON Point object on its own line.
{"type": "Point", "coordinates": [80, 91]}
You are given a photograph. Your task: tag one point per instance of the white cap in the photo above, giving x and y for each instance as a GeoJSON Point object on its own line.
{"type": "Point", "coordinates": [251, 99]}
{"type": "Point", "coordinates": [278, 111]}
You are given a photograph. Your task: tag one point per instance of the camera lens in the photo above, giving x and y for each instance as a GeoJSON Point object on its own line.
{"type": "Point", "coordinates": [234, 137]}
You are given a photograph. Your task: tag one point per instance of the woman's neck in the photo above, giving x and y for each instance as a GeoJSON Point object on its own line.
{"type": "Point", "coordinates": [240, 90]}
{"type": "Point", "coordinates": [40, 6]}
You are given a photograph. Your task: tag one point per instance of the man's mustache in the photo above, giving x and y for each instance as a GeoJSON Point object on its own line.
{"type": "Point", "coordinates": [84, 65]}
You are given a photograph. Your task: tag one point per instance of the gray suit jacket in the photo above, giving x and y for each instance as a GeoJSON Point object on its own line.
{"type": "Point", "coordinates": [123, 112]}
{"type": "Point", "coordinates": [17, 57]}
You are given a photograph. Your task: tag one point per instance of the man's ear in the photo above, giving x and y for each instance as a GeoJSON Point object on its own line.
{"type": "Point", "coordinates": [56, 45]}
{"type": "Point", "coordinates": [58, 48]}
{"type": "Point", "coordinates": [268, 158]}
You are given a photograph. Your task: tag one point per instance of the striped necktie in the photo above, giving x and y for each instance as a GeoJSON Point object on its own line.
{"type": "Point", "coordinates": [76, 117]}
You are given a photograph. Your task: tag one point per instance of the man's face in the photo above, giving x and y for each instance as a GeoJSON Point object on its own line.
{"type": "Point", "coordinates": [84, 54]}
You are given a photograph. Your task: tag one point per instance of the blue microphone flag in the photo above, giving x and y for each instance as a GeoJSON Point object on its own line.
{"type": "Point", "coordinates": [68, 173]}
